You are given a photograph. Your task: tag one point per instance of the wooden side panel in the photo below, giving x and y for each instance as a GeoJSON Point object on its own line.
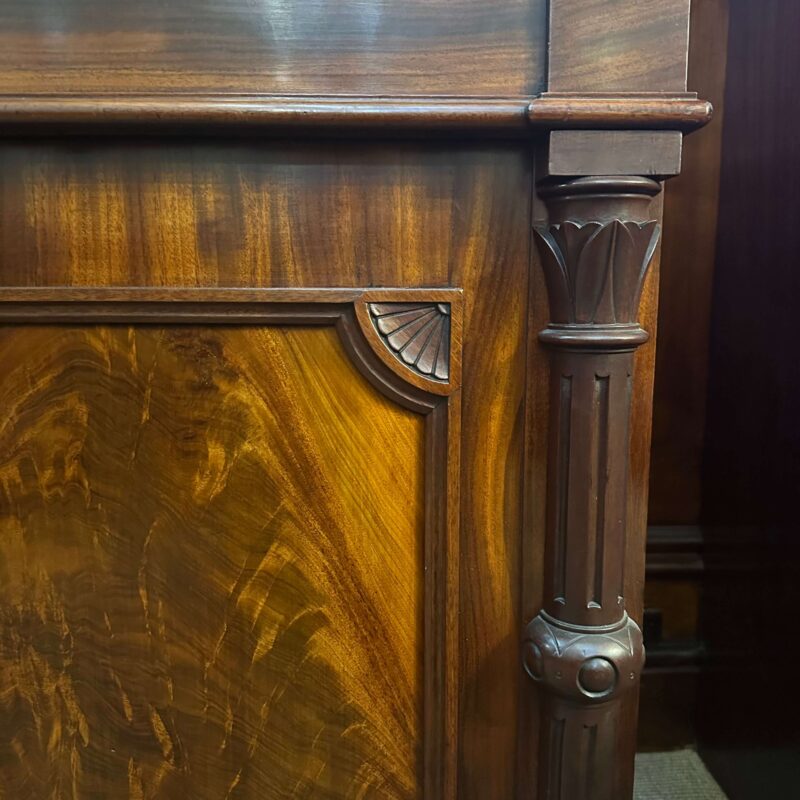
{"type": "Point", "coordinates": [273, 46]}
{"type": "Point", "coordinates": [638, 471]}
{"type": "Point", "coordinates": [618, 45]}
{"type": "Point", "coordinates": [211, 558]}
{"type": "Point", "coordinates": [670, 689]}
{"type": "Point", "coordinates": [397, 214]}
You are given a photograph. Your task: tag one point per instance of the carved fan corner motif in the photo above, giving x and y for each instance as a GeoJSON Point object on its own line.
{"type": "Point", "coordinates": [418, 334]}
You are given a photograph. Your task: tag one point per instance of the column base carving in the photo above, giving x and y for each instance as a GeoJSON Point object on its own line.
{"type": "Point", "coordinates": [584, 671]}
{"type": "Point", "coordinates": [587, 665]}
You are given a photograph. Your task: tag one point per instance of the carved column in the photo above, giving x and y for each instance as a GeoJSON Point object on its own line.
{"type": "Point", "coordinates": [582, 648]}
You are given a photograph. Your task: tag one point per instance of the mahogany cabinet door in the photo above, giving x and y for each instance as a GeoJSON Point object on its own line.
{"type": "Point", "coordinates": [325, 388]}
{"type": "Point", "coordinates": [226, 532]}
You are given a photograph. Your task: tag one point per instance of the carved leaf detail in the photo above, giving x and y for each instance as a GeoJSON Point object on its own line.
{"type": "Point", "coordinates": [595, 271]}
{"type": "Point", "coordinates": [418, 334]}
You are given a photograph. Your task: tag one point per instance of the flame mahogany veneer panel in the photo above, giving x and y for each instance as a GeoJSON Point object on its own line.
{"type": "Point", "coordinates": [211, 549]}
{"type": "Point", "coordinates": [171, 213]}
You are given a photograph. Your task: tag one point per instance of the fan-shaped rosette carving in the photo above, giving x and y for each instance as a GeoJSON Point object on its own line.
{"type": "Point", "coordinates": [418, 334]}
{"type": "Point", "coordinates": [595, 271]}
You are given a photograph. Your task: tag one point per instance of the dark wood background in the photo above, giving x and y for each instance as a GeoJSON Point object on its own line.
{"type": "Point", "coordinates": [88, 213]}
{"type": "Point", "coordinates": [726, 442]}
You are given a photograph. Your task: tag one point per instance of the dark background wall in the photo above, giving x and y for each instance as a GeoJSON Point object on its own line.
{"type": "Point", "coordinates": [751, 468]}
{"type": "Point", "coordinates": [726, 460]}
{"type": "Point", "coordinates": [675, 565]}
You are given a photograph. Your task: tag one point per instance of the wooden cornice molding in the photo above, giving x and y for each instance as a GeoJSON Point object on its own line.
{"type": "Point", "coordinates": [625, 111]}
{"type": "Point", "coordinates": [343, 115]}
{"type": "Point", "coordinates": [338, 115]}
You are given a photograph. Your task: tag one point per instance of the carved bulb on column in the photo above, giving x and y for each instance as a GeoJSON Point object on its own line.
{"type": "Point", "coordinates": [582, 648]}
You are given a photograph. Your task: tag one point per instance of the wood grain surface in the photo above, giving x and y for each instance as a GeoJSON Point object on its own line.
{"type": "Point", "coordinates": [618, 46]}
{"type": "Point", "coordinates": [355, 116]}
{"type": "Point", "coordinates": [88, 214]}
{"type": "Point", "coordinates": [192, 214]}
{"type": "Point", "coordinates": [211, 543]}
{"type": "Point", "coordinates": [218, 569]}
{"type": "Point", "coordinates": [336, 46]}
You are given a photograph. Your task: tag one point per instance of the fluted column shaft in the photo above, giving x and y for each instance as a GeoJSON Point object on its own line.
{"type": "Point", "coordinates": [582, 648]}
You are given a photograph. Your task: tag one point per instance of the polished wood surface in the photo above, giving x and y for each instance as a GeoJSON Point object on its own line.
{"type": "Point", "coordinates": [231, 517]}
{"type": "Point", "coordinates": [343, 115]}
{"type": "Point", "coordinates": [623, 152]}
{"type": "Point", "coordinates": [209, 115]}
{"type": "Point", "coordinates": [99, 232]}
{"type": "Point", "coordinates": [376, 47]}
{"type": "Point", "coordinates": [397, 216]}
{"type": "Point", "coordinates": [185, 213]}
{"type": "Point", "coordinates": [609, 46]}
{"type": "Point", "coordinates": [625, 111]}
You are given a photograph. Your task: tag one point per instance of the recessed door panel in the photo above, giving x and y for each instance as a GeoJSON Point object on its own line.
{"type": "Point", "coordinates": [212, 566]}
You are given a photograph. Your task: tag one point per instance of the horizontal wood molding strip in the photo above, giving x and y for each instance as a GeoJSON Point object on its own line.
{"type": "Point", "coordinates": [178, 294]}
{"type": "Point", "coordinates": [656, 112]}
{"type": "Point", "coordinates": [678, 656]}
{"type": "Point", "coordinates": [675, 551]}
{"type": "Point", "coordinates": [337, 114]}
{"type": "Point", "coordinates": [345, 115]}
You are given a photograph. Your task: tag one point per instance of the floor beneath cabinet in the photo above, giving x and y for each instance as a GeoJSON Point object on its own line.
{"type": "Point", "coordinates": [677, 775]}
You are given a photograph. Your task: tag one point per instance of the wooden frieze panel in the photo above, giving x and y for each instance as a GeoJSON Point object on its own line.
{"type": "Point", "coordinates": [372, 47]}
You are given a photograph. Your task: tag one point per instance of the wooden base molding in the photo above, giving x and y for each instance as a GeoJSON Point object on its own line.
{"type": "Point", "coordinates": [675, 551]}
